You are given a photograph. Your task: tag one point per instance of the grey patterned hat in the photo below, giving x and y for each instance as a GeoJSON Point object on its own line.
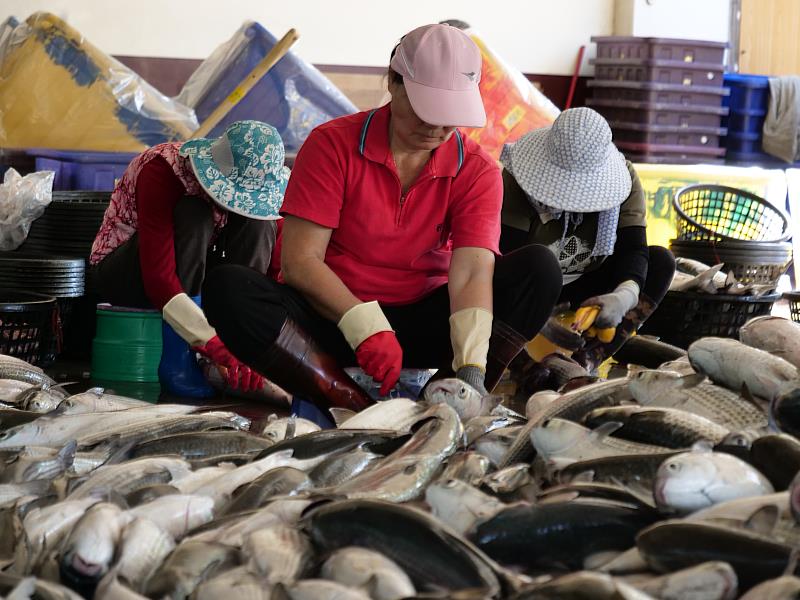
{"type": "Point", "coordinates": [572, 165]}
{"type": "Point", "coordinates": [243, 169]}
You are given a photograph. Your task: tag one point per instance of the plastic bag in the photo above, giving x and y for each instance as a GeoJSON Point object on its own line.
{"type": "Point", "coordinates": [293, 96]}
{"type": "Point", "coordinates": [513, 105]}
{"type": "Point", "coordinates": [409, 385]}
{"type": "Point", "coordinates": [57, 90]}
{"type": "Point", "coordinates": [22, 201]}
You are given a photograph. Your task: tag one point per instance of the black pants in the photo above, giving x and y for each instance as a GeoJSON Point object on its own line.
{"type": "Point", "coordinates": [242, 241]}
{"type": "Point", "coordinates": [660, 269]}
{"type": "Point", "coordinates": [248, 310]}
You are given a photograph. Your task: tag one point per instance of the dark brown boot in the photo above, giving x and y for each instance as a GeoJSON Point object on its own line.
{"type": "Point", "coordinates": [504, 345]}
{"type": "Point", "coordinates": [297, 364]}
{"type": "Point", "coordinates": [595, 351]}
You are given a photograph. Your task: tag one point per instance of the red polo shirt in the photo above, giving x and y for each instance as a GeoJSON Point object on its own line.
{"type": "Point", "coordinates": [385, 246]}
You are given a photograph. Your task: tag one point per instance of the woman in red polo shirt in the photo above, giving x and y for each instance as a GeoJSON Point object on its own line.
{"type": "Point", "coordinates": [390, 245]}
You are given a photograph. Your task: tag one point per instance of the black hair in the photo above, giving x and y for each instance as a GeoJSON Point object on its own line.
{"type": "Point", "coordinates": [394, 76]}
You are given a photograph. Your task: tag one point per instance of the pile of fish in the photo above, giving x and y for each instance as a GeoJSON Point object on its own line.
{"type": "Point", "coordinates": [695, 276]}
{"type": "Point", "coordinates": [677, 482]}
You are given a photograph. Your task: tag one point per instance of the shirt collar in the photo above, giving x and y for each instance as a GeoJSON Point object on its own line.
{"type": "Point", "coordinates": [445, 161]}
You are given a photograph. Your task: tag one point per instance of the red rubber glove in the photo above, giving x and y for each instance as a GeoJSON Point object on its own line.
{"type": "Point", "coordinates": [381, 357]}
{"type": "Point", "coordinates": [236, 372]}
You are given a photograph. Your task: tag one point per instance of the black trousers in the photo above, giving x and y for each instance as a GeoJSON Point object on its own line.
{"type": "Point", "coordinates": [242, 241]}
{"type": "Point", "coordinates": [248, 310]}
{"type": "Point", "coordinates": [660, 269]}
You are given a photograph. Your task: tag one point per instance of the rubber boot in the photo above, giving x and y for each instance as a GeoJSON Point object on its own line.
{"type": "Point", "coordinates": [298, 365]}
{"type": "Point", "coordinates": [596, 352]}
{"type": "Point", "coordinates": [529, 375]}
{"type": "Point", "coordinates": [504, 345]}
{"type": "Point", "coordinates": [178, 371]}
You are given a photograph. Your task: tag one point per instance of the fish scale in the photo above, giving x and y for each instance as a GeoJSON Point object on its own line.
{"type": "Point", "coordinates": [669, 427]}
{"type": "Point", "coordinates": [572, 406]}
{"type": "Point", "coordinates": [716, 403]}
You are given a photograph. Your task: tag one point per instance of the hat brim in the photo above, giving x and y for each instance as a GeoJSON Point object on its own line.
{"type": "Point", "coordinates": [603, 188]}
{"type": "Point", "coordinates": [263, 203]}
{"type": "Point", "coordinates": [446, 108]}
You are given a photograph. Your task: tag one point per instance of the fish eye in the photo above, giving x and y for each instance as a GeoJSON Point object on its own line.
{"type": "Point", "coordinates": [462, 391]}
{"type": "Point", "coordinates": [674, 467]}
{"type": "Point", "coordinates": [450, 483]}
{"type": "Point", "coordinates": [410, 469]}
{"type": "Point", "coordinates": [546, 423]}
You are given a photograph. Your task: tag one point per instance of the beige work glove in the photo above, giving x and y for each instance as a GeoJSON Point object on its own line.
{"type": "Point", "coordinates": [470, 330]}
{"type": "Point", "coordinates": [188, 320]}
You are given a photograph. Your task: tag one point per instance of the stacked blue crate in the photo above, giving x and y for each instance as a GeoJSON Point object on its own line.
{"type": "Point", "coordinates": [748, 103]}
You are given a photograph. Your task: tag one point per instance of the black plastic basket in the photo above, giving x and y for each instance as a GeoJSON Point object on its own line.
{"type": "Point", "coordinates": [685, 317]}
{"type": "Point", "coordinates": [750, 262]}
{"type": "Point", "coordinates": [720, 213]}
{"type": "Point", "coordinates": [794, 304]}
{"type": "Point", "coordinates": [26, 324]}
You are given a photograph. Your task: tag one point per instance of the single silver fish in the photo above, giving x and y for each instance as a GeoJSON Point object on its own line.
{"type": "Point", "coordinates": [735, 365]}
{"type": "Point", "coordinates": [465, 399]}
{"type": "Point", "coordinates": [693, 480]}
{"type": "Point", "coordinates": [372, 571]}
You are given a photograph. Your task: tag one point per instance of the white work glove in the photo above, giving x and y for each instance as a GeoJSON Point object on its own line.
{"type": "Point", "coordinates": [188, 320]}
{"type": "Point", "coordinates": [614, 305]}
{"type": "Point", "coordinates": [470, 330]}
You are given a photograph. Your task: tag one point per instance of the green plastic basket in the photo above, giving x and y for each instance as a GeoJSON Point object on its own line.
{"type": "Point", "coordinates": [127, 344]}
{"type": "Point", "coordinates": [720, 213]}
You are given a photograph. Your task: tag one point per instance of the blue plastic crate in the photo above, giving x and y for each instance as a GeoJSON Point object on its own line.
{"type": "Point", "coordinates": [743, 142]}
{"type": "Point", "coordinates": [294, 97]}
{"type": "Point", "coordinates": [751, 121]}
{"type": "Point", "coordinates": [82, 170]}
{"type": "Point", "coordinates": [748, 92]}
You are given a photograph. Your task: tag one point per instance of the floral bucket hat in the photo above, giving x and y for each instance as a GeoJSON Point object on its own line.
{"type": "Point", "coordinates": [243, 169]}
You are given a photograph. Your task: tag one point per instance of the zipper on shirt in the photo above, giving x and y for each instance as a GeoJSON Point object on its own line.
{"type": "Point", "coordinates": [404, 197]}
{"type": "Point", "coordinates": [400, 211]}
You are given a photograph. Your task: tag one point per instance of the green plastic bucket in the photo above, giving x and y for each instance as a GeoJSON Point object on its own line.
{"type": "Point", "coordinates": [127, 344]}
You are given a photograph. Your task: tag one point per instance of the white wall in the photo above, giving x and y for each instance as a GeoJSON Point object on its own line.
{"type": "Point", "coordinates": [536, 36]}
{"type": "Point", "coordinates": [688, 19]}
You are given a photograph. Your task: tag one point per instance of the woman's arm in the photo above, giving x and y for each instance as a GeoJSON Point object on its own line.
{"type": "Point", "coordinates": [470, 279]}
{"type": "Point", "coordinates": [303, 266]}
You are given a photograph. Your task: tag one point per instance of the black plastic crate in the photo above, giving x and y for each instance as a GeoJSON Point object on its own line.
{"type": "Point", "coordinates": [646, 113]}
{"type": "Point", "coordinates": [658, 93]}
{"type": "Point", "coordinates": [794, 305]}
{"type": "Point", "coordinates": [666, 135]}
{"type": "Point", "coordinates": [690, 51]}
{"type": "Point", "coordinates": [659, 71]}
{"type": "Point", "coordinates": [26, 324]}
{"type": "Point", "coordinates": [685, 317]}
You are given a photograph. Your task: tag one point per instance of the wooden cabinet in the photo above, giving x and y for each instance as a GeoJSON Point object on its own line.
{"type": "Point", "coordinates": [769, 37]}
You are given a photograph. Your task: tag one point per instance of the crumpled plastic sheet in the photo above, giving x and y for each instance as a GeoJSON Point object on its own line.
{"type": "Point", "coordinates": [513, 104]}
{"type": "Point", "coordinates": [22, 201]}
{"type": "Point", "coordinates": [409, 385]}
{"type": "Point", "coordinates": [57, 90]}
{"type": "Point", "coordinates": [293, 96]}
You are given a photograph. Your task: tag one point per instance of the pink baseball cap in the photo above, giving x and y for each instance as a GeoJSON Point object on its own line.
{"type": "Point", "coordinates": [441, 69]}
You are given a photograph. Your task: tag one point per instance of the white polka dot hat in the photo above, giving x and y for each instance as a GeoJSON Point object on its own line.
{"type": "Point", "coordinates": [572, 165]}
